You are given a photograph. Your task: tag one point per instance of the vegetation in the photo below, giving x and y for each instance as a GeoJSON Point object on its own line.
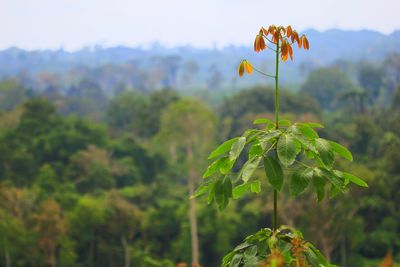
{"type": "Point", "coordinates": [277, 145]}
{"type": "Point", "coordinates": [83, 184]}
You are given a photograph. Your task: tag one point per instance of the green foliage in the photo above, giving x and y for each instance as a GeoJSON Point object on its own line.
{"type": "Point", "coordinates": [115, 184]}
{"type": "Point", "coordinates": [12, 93]}
{"type": "Point", "coordinates": [371, 78]}
{"type": "Point", "coordinates": [125, 110]}
{"type": "Point", "coordinates": [295, 143]}
{"type": "Point", "coordinates": [286, 149]}
{"type": "Point", "coordinates": [326, 85]}
{"type": "Point", "coordinates": [288, 143]}
{"type": "Point", "coordinates": [260, 100]}
{"type": "Point", "coordinates": [299, 180]}
{"type": "Point", "coordinates": [284, 246]}
{"type": "Point", "coordinates": [133, 111]}
{"type": "Point", "coordinates": [274, 173]}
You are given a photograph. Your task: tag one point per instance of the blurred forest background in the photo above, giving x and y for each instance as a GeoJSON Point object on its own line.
{"type": "Point", "coordinates": [91, 173]}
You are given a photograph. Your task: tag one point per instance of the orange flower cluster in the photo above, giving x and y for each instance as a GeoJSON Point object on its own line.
{"type": "Point", "coordinates": [282, 37]}
{"type": "Point", "coordinates": [245, 65]}
{"type": "Point", "coordinates": [275, 259]}
{"type": "Point", "coordinates": [299, 246]}
{"type": "Point", "coordinates": [286, 37]}
{"type": "Point", "coordinates": [388, 260]}
{"type": "Point", "coordinates": [259, 42]}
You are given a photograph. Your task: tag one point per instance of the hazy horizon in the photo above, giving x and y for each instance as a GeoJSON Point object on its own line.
{"type": "Point", "coordinates": [46, 24]}
{"type": "Point", "coordinates": [156, 43]}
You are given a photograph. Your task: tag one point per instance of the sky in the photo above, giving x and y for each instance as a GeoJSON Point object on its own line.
{"type": "Point", "coordinates": [73, 24]}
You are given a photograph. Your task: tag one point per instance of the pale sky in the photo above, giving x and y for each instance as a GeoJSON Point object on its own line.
{"type": "Point", "coordinates": [73, 24]}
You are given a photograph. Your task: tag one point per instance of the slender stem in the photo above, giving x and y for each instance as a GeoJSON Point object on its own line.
{"type": "Point", "coordinates": [302, 163]}
{"type": "Point", "coordinates": [269, 40]}
{"type": "Point", "coordinates": [277, 85]}
{"type": "Point", "coordinates": [268, 75]}
{"type": "Point", "coordinates": [275, 218]}
{"type": "Point", "coordinates": [275, 224]}
{"type": "Point", "coordinates": [259, 71]}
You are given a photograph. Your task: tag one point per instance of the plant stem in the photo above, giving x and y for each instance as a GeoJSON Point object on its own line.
{"type": "Point", "coordinates": [276, 85]}
{"type": "Point", "coordinates": [275, 210]}
{"type": "Point", "coordinates": [275, 217]}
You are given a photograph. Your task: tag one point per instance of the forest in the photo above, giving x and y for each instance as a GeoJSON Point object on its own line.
{"type": "Point", "coordinates": [95, 172]}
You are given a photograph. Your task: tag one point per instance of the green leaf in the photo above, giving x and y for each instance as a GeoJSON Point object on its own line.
{"type": "Point", "coordinates": [267, 138]}
{"type": "Point", "coordinates": [312, 258]}
{"type": "Point", "coordinates": [319, 185]}
{"type": "Point", "coordinates": [262, 121]}
{"type": "Point", "coordinates": [255, 150]}
{"type": "Point", "coordinates": [227, 258]}
{"type": "Point", "coordinates": [214, 167]}
{"type": "Point", "coordinates": [311, 124]}
{"type": "Point", "coordinates": [226, 166]}
{"type": "Point", "coordinates": [333, 192]}
{"type": "Point", "coordinates": [341, 150]}
{"type": "Point", "coordinates": [256, 187]}
{"type": "Point", "coordinates": [203, 188]}
{"type": "Point", "coordinates": [240, 190]}
{"type": "Point", "coordinates": [308, 132]}
{"type": "Point", "coordinates": [286, 149]}
{"type": "Point", "coordinates": [223, 191]}
{"type": "Point", "coordinates": [251, 133]}
{"type": "Point", "coordinates": [242, 246]}
{"type": "Point", "coordinates": [219, 194]}
{"type": "Point", "coordinates": [284, 123]}
{"type": "Point", "coordinates": [298, 146]}
{"type": "Point", "coordinates": [237, 148]}
{"type": "Point", "coordinates": [227, 187]}
{"type": "Point", "coordinates": [331, 177]}
{"type": "Point", "coordinates": [274, 172]}
{"type": "Point", "coordinates": [354, 179]}
{"type": "Point", "coordinates": [300, 180]}
{"type": "Point", "coordinates": [325, 151]}
{"type": "Point", "coordinates": [320, 258]}
{"type": "Point", "coordinates": [287, 256]}
{"type": "Point", "coordinates": [309, 154]}
{"type": "Point", "coordinates": [249, 167]}
{"type": "Point", "coordinates": [236, 260]}
{"type": "Point", "coordinates": [251, 262]}
{"type": "Point", "coordinates": [251, 251]}
{"type": "Point", "coordinates": [307, 145]}
{"type": "Point", "coordinates": [223, 148]}
{"type": "Point", "coordinates": [211, 193]}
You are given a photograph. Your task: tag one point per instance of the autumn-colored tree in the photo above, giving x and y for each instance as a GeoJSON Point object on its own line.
{"type": "Point", "coordinates": [50, 226]}
{"type": "Point", "coordinates": [16, 205]}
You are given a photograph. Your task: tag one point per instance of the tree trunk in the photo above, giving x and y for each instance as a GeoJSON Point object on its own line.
{"type": "Point", "coordinates": [172, 151]}
{"type": "Point", "coordinates": [127, 257]}
{"type": "Point", "coordinates": [192, 209]}
{"type": "Point", "coordinates": [53, 259]}
{"type": "Point", "coordinates": [326, 246]}
{"type": "Point", "coordinates": [92, 249]}
{"type": "Point", "coordinates": [343, 256]}
{"type": "Point", "coordinates": [7, 256]}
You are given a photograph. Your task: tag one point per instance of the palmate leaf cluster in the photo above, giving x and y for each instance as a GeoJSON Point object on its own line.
{"type": "Point", "coordinates": [285, 246]}
{"type": "Point", "coordinates": [293, 148]}
{"type": "Point", "coordinates": [296, 149]}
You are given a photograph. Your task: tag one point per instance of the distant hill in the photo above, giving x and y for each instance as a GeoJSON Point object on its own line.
{"type": "Point", "coordinates": [188, 67]}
